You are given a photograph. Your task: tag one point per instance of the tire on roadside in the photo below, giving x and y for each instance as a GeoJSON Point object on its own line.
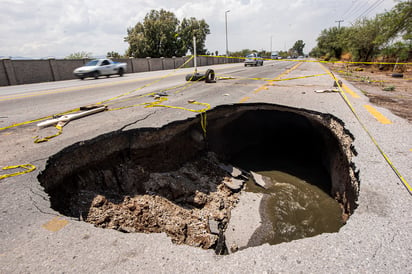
{"type": "Point", "coordinates": [121, 72]}
{"type": "Point", "coordinates": [210, 76]}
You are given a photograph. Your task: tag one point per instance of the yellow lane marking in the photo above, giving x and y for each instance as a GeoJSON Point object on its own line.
{"type": "Point", "coordinates": [55, 224]}
{"type": "Point", "coordinates": [344, 87]}
{"type": "Point", "coordinates": [349, 91]}
{"type": "Point", "coordinates": [379, 116]}
{"type": "Point", "coordinates": [264, 87]}
{"type": "Point", "coordinates": [270, 82]}
{"type": "Point", "coordinates": [277, 78]}
{"type": "Point", "coordinates": [244, 99]}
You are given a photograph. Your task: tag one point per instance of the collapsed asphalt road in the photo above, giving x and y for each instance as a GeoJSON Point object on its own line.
{"type": "Point", "coordinates": [36, 238]}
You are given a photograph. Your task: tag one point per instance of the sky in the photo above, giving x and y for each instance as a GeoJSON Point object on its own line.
{"type": "Point", "coordinates": [56, 28]}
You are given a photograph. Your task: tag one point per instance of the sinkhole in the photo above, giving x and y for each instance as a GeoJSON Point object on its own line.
{"type": "Point", "coordinates": [180, 181]}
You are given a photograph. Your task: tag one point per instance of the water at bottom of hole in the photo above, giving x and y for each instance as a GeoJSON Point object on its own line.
{"type": "Point", "coordinates": [296, 209]}
{"type": "Point", "coordinates": [293, 206]}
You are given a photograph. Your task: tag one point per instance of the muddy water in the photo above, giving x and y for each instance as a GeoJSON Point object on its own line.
{"type": "Point", "coordinates": [296, 202]}
{"type": "Point", "coordinates": [295, 209]}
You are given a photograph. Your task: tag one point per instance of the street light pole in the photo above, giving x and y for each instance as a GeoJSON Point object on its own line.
{"type": "Point", "coordinates": [271, 45]}
{"type": "Point", "coordinates": [227, 50]}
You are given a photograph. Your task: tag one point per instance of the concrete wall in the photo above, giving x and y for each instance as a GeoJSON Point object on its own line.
{"type": "Point", "coordinates": [18, 72]}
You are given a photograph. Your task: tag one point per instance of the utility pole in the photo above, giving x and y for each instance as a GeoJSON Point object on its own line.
{"type": "Point", "coordinates": [271, 45]}
{"type": "Point", "coordinates": [227, 50]}
{"type": "Point", "coordinates": [339, 21]}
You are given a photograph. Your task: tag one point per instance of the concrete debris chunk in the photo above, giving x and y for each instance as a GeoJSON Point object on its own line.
{"type": "Point", "coordinates": [258, 179]}
{"type": "Point", "coordinates": [233, 184]}
{"type": "Point", "coordinates": [233, 171]}
{"type": "Point", "coordinates": [214, 226]}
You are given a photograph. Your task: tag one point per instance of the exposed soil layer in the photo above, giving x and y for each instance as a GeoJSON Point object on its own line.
{"type": "Point", "coordinates": [170, 179]}
{"type": "Point", "coordinates": [179, 203]}
{"type": "Point", "coordinates": [376, 82]}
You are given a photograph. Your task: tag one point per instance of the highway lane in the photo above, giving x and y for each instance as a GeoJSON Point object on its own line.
{"type": "Point", "coordinates": [375, 239]}
{"type": "Point", "coordinates": [29, 102]}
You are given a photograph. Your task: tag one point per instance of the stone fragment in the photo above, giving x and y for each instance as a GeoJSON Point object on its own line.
{"type": "Point", "coordinates": [214, 226]}
{"type": "Point", "coordinates": [233, 184]}
{"type": "Point", "coordinates": [233, 171]}
{"type": "Point", "coordinates": [98, 201]}
{"type": "Point", "coordinates": [258, 179]}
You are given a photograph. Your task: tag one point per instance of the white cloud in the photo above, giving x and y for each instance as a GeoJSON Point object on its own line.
{"type": "Point", "coordinates": [41, 28]}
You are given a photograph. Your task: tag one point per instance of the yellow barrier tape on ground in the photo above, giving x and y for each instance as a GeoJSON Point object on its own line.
{"type": "Point", "coordinates": [59, 128]}
{"type": "Point", "coordinates": [40, 119]}
{"type": "Point", "coordinates": [179, 88]}
{"type": "Point", "coordinates": [345, 98]}
{"type": "Point", "coordinates": [28, 168]}
{"type": "Point", "coordinates": [203, 119]}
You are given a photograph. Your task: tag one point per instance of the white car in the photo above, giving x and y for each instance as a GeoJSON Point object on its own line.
{"type": "Point", "coordinates": [253, 60]}
{"type": "Point", "coordinates": [98, 67]}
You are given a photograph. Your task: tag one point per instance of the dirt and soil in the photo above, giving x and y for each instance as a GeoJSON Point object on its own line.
{"type": "Point", "coordinates": [377, 83]}
{"type": "Point", "coordinates": [192, 218]}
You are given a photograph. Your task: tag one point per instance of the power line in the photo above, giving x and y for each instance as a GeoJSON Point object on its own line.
{"type": "Point", "coordinates": [359, 9]}
{"type": "Point", "coordinates": [349, 10]}
{"type": "Point", "coordinates": [374, 6]}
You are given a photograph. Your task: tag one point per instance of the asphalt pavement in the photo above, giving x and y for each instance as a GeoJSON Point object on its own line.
{"type": "Point", "coordinates": [36, 239]}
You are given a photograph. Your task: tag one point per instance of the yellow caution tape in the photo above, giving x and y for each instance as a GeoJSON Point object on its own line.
{"type": "Point", "coordinates": [311, 61]}
{"type": "Point", "coordinates": [28, 168]}
{"type": "Point", "coordinates": [40, 119]}
{"type": "Point", "coordinates": [147, 85]}
{"type": "Point", "coordinates": [59, 127]}
{"type": "Point", "coordinates": [345, 98]}
{"type": "Point", "coordinates": [203, 119]}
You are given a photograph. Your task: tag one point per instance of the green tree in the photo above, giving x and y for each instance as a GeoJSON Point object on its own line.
{"type": "Point", "coordinates": [190, 28]}
{"type": "Point", "coordinates": [366, 38]}
{"type": "Point", "coordinates": [329, 43]}
{"type": "Point", "coordinates": [398, 50]}
{"type": "Point", "coordinates": [397, 22]}
{"type": "Point", "coordinates": [298, 47]}
{"type": "Point", "coordinates": [161, 35]}
{"type": "Point", "coordinates": [155, 37]}
{"type": "Point", "coordinates": [113, 54]}
{"type": "Point", "coordinates": [80, 55]}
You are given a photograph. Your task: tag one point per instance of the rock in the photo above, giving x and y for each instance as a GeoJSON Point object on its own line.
{"type": "Point", "coordinates": [98, 201]}
{"type": "Point", "coordinates": [233, 171]}
{"type": "Point", "coordinates": [200, 198]}
{"type": "Point", "coordinates": [233, 184]}
{"type": "Point", "coordinates": [258, 179]}
{"type": "Point", "coordinates": [214, 227]}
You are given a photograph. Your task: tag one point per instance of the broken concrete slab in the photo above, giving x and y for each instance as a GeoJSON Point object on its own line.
{"type": "Point", "coordinates": [233, 171]}
{"type": "Point", "coordinates": [259, 179]}
{"type": "Point", "coordinates": [244, 221]}
{"type": "Point", "coordinates": [233, 184]}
